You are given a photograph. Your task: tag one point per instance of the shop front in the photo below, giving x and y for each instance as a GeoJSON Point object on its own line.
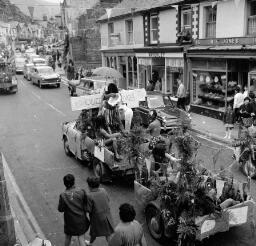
{"type": "Point", "coordinates": [163, 69]}
{"type": "Point", "coordinates": [215, 73]}
{"type": "Point", "coordinates": [125, 62]}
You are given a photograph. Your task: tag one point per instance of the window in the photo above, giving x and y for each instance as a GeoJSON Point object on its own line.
{"type": "Point", "coordinates": [129, 31]}
{"type": "Point", "coordinates": [153, 29]}
{"type": "Point", "coordinates": [186, 19]}
{"type": "Point", "coordinates": [211, 13]}
{"type": "Point", "coordinates": [252, 17]}
{"type": "Point", "coordinates": [110, 32]}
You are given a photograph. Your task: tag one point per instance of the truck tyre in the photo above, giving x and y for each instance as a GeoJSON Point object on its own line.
{"type": "Point", "coordinates": [58, 85]}
{"type": "Point", "coordinates": [66, 147]}
{"type": "Point", "coordinates": [155, 223]}
{"type": "Point", "coordinates": [101, 171]}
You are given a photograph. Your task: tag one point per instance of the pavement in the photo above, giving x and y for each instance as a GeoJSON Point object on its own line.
{"type": "Point", "coordinates": [36, 163]}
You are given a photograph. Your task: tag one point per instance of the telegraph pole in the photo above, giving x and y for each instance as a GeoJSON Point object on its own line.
{"type": "Point", "coordinates": [7, 229]}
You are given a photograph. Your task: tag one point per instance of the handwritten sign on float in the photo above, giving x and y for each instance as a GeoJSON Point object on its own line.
{"type": "Point", "coordinates": [86, 102]}
{"type": "Point", "coordinates": [129, 97]}
{"type": "Point", "coordinates": [133, 97]}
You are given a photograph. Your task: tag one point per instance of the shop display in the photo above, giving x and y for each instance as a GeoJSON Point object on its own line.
{"type": "Point", "coordinates": [211, 88]}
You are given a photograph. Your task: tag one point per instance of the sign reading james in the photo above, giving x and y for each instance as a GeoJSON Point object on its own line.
{"type": "Point", "coordinates": [227, 41]}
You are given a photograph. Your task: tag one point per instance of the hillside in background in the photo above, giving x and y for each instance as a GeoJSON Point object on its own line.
{"type": "Point", "coordinates": [10, 12]}
{"type": "Point", "coordinates": [41, 7]}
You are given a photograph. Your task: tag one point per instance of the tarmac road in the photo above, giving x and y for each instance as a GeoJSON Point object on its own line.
{"type": "Point", "coordinates": [30, 126]}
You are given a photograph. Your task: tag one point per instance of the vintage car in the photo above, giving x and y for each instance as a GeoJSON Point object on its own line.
{"type": "Point", "coordinates": [37, 61]}
{"type": "Point", "coordinates": [19, 64]}
{"type": "Point", "coordinates": [170, 116]}
{"type": "Point", "coordinates": [27, 70]}
{"type": "Point", "coordinates": [207, 225]}
{"type": "Point", "coordinates": [8, 81]}
{"type": "Point", "coordinates": [86, 147]}
{"type": "Point", "coordinates": [44, 75]}
{"type": "Point", "coordinates": [87, 86]}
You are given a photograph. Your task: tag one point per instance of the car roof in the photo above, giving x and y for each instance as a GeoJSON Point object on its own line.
{"type": "Point", "coordinates": [38, 59]}
{"type": "Point", "coordinates": [41, 67]}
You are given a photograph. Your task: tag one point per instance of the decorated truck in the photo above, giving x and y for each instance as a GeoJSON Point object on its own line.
{"type": "Point", "coordinates": [8, 80]}
{"type": "Point", "coordinates": [80, 140]}
{"type": "Point", "coordinates": [188, 203]}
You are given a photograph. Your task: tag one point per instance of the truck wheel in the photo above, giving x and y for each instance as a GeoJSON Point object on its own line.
{"type": "Point", "coordinates": [58, 85]}
{"type": "Point", "coordinates": [100, 171]}
{"type": "Point", "coordinates": [66, 147]}
{"type": "Point", "coordinates": [154, 223]}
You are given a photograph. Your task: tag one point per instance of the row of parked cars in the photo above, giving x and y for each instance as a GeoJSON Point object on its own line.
{"type": "Point", "coordinates": [37, 70]}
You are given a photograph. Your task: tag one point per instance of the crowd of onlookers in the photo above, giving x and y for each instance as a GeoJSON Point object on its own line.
{"type": "Point", "coordinates": [83, 210]}
{"type": "Point", "coordinates": [242, 111]}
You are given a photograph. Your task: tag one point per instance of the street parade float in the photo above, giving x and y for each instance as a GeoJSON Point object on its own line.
{"type": "Point", "coordinates": [184, 203]}
{"type": "Point", "coordinates": [80, 140]}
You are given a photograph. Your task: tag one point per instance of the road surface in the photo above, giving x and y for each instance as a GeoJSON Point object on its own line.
{"type": "Point", "coordinates": [30, 126]}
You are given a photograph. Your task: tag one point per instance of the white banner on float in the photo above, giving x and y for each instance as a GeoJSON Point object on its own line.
{"type": "Point", "coordinates": [86, 102]}
{"type": "Point", "coordinates": [133, 97]}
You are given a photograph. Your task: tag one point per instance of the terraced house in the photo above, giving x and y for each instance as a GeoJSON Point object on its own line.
{"type": "Point", "coordinates": [139, 38]}
{"type": "Point", "coordinates": [210, 45]}
{"type": "Point", "coordinates": [223, 55]}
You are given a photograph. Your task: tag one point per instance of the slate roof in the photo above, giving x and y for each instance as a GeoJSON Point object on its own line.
{"type": "Point", "coordinates": [126, 6]}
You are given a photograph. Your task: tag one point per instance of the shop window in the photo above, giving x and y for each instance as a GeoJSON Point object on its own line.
{"type": "Point", "coordinates": [153, 29]}
{"type": "Point", "coordinates": [251, 17]}
{"type": "Point", "coordinates": [135, 78]}
{"type": "Point", "coordinates": [129, 31]}
{"type": "Point", "coordinates": [210, 15]}
{"type": "Point", "coordinates": [209, 88]}
{"type": "Point", "coordinates": [130, 79]}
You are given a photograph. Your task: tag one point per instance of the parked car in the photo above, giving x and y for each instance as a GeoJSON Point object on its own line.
{"type": "Point", "coordinates": [27, 70]}
{"type": "Point", "coordinates": [169, 115]}
{"type": "Point", "coordinates": [19, 64]}
{"type": "Point", "coordinates": [87, 86]}
{"type": "Point", "coordinates": [44, 75]}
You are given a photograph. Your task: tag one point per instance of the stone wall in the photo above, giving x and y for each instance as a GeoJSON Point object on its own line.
{"type": "Point", "coordinates": [89, 34]}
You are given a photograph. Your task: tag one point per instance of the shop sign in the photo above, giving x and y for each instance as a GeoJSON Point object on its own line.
{"type": "Point", "coordinates": [227, 41]}
{"type": "Point", "coordinates": [175, 62]}
{"type": "Point", "coordinates": [156, 54]}
{"type": "Point", "coordinates": [145, 61]}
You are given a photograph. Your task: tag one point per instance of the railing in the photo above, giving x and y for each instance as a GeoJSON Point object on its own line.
{"type": "Point", "coordinates": [252, 25]}
{"type": "Point", "coordinates": [210, 30]}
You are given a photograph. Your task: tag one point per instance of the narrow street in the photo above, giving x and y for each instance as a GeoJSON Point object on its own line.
{"type": "Point", "coordinates": [31, 141]}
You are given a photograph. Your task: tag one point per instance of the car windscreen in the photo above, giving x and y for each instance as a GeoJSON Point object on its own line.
{"type": "Point", "coordinates": [45, 70]}
{"type": "Point", "coordinates": [155, 101]}
{"type": "Point", "coordinates": [39, 61]}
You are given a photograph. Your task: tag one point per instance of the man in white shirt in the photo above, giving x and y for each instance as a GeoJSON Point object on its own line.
{"type": "Point", "coordinates": [181, 94]}
{"type": "Point", "coordinates": [238, 101]}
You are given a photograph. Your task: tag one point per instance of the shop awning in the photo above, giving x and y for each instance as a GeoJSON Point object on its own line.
{"type": "Point", "coordinates": [221, 51]}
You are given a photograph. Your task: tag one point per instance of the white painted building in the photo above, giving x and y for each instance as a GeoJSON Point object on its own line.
{"type": "Point", "coordinates": [224, 54]}
{"type": "Point", "coordinates": [139, 38]}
